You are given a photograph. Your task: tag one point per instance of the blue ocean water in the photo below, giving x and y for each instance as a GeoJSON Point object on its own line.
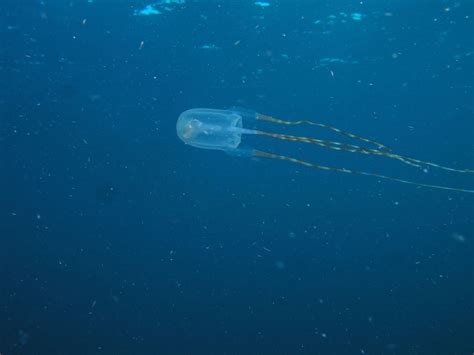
{"type": "Point", "coordinates": [117, 238]}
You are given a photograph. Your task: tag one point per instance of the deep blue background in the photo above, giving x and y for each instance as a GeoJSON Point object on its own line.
{"type": "Point", "coordinates": [116, 238]}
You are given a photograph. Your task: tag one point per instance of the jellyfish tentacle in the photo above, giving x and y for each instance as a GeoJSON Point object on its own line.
{"type": "Point", "coordinates": [262, 154]}
{"type": "Point", "coordinates": [434, 165]}
{"type": "Point", "coordinates": [351, 148]}
{"type": "Point", "coordinates": [342, 147]}
{"type": "Point", "coordinates": [267, 118]}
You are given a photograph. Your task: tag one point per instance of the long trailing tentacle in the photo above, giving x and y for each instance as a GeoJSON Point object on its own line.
{"type": "Point", "coordinates": [382, 151]}
{"type": "Point", "coordinates": [259, 153]}
{"type": "Point", "coordinates": [342, 147]}
{"type": "Point", "coordinates": [263, 117]}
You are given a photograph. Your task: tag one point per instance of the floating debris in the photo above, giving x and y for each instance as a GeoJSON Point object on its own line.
{"type": "Point", "coordinates": [356, 16]}
{"type": "Point", "coordinates": [458, 237]}
{"type": "Point", "coordinates": [262, 4]}
{"type": "Point", "coordinates": [158, 7]}
{"type": "Point", "coordinates": [147, 11]}
{"type": "Point", "coordinates": [341, 17]}
{"type": "Point", "coordinates": [209, 47]}
{"type": "Point", "coordinates": [327, 61]}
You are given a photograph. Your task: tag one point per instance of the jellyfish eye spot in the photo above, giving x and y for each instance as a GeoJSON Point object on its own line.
{"type": "Point", "coordinates": [188, 131]}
